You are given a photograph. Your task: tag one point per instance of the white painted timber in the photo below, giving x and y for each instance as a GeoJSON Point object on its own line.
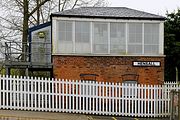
{"type": "Point", "coordinates": [86, 97]}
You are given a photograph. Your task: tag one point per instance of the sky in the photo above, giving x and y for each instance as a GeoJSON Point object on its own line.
{"type": "Point", "coordinates": [158, 7]}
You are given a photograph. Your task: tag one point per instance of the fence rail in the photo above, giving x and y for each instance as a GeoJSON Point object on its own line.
{"type": "Point", "coordinates": [90, 97]}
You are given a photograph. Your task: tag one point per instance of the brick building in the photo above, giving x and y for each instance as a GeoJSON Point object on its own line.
{"type": "Point", "coordinates": [108, 43]}
{"type": "Point", "coordinates": [114, 44]}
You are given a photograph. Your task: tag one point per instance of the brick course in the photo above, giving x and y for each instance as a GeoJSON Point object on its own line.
{"type": "Point", "coordinates": [109, 68]}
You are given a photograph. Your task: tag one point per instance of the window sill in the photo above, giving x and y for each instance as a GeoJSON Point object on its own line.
{"type": "Point", "coordinates": [54, 54]}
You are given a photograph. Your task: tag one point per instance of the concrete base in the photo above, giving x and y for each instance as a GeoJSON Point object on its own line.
{"type": "Point", "coordinates": [34, 115]}
{"type": "Point", "coordinates": [29, 115]}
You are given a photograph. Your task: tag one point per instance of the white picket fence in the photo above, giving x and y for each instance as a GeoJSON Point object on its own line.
{"type": "Point", "coordinates": [89, 97]}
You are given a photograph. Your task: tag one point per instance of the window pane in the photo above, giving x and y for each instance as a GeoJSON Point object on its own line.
{"type": "Point", "coordinates": [100, 40]}
{"type": "Point", "coordinates": [65, 44]}
{"type": "Point", "coordinates": [151, 49]}
{"type": "Point", "coordinates": [117, 38]}
{"type": "Point", "coordinates": [69, 26]}
{"type": "Point", "coordinates": [65, 31]}
{"type": "Point", "coordinates": [151, 38]}
{"type": "Point", "coordinates": [135, 33]}
{"type": "Point", "coordinates": [135, 38]}
{"type": "Point", "coordinates": [61, 25]}
{"type": "Point", "coordinates": [82, 31]}
{"type": "Point", "coordinates": [135, 49]}
{"type": "Point", "coordinates": [82, 37]}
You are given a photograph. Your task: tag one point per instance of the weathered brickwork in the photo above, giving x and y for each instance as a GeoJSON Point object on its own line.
{"type": "Point", "coordinates": [108, 68]}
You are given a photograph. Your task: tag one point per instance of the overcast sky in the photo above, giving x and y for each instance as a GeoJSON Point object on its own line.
{"type": "Point", "coordinates": [152, 6]}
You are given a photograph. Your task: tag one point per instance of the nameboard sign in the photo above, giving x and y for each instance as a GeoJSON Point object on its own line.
{"type": "Point", "coordinates": [146, 64]}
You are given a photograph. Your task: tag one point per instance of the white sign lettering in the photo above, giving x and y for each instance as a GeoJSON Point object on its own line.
{"type": "Point", "coordinates": [147, 64]}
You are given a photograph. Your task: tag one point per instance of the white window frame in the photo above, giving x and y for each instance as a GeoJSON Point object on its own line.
{"type": "Point", "coordinates": [54, 35]}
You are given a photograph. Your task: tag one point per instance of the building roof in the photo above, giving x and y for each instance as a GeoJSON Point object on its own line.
{"type": "Point", "coordinates": [34, 28]}
{"type": "Point", "coordinates": [108, 12]}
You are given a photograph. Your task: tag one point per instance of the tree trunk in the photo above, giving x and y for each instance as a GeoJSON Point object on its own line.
{"type": "Point", "coordinates": [25, 21]}
{"type": "Point", "coordinates": [25, 30]}
{"type": "Point", "coordinates": [25, 33]}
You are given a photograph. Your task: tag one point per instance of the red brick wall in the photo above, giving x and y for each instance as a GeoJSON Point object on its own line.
{"type": "Point", "coordinates": [109, 68]}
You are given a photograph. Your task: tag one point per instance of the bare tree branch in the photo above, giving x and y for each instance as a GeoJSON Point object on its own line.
{"type": "Point", "coordinates": [35, 9]}
{"type": "Point", "coordinates": [19, 3]}
{"type": "Point", "coordinates": [75, 4]}
{"type": "Point", "coordinates": [12, 23]}
{"type": "Point", "coordinates": [65, 1]}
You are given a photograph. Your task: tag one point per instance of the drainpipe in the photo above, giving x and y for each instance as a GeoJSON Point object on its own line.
{"type": "Point", "coordinates": [176, 74]}
{"type": "Point", "coordinates": [26, 72]}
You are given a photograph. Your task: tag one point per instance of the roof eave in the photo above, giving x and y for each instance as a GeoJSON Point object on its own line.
{"type": "Point", "coordinates": [110, 17]}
